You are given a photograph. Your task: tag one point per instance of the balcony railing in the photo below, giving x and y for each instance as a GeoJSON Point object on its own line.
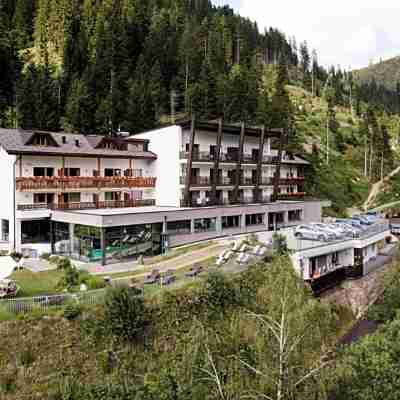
{"type": "Point", "coordinates": [86, 206]}
{"type": "Point", "coordinates": [77, 182]}
{"type": "Point", "coordinates": [203, 156]}
{"type": "Point", "coordinates": [292, 180]}
{"type": "Point", "coordinates": [291, 196]}
{"type": "Point", "coordinates": [206, 181]}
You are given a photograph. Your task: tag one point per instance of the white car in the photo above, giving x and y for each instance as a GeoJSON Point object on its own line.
{"type": "Point", "coordinates": [353, 231]}
{"type": "Point", "coordinates": [332, 233]}
{"type": "Point", "coordinates": [308, 232]}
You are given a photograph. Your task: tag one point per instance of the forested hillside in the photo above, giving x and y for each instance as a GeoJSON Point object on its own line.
{"type": "Point", "coordinates": [109, 65]}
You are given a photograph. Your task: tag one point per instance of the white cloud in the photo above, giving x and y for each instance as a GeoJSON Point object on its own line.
{"type": "Point", "coordinates": [345, 32]}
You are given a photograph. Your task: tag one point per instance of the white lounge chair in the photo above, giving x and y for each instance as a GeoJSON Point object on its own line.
{"type": "Point", "coordinates": [244, 248]}
{"type": "Point", "coordinates": [236, 246]}
{"type": "Point", "coordinates": [228, 255]}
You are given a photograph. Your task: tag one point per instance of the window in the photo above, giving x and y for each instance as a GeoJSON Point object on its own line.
{"type": "Point", "coordinates": [205, 225]}
{"type": "Point", "coordinates": [39, 171]}
{"type": "Point", "coordinates": [109, 172]}
{"type": "Point", "coordinates": [295, 216]}
{"type": "Point", "coordinates": [113, 196]}
{"type": "Point", "coordinates": [72, 172]}
{"type": "Point", "coordinates": [231, 222]}
{"type": "Point", "coordinates": [255, 219]}
{"type": "Point", "coordinates": [43, 198]}
{"type": "Point", "coordinates": [178, 227]}
{"type": "Point", "coordinates": [74, 197]}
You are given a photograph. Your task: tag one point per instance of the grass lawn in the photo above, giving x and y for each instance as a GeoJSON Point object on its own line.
{"type": "Point", "coordinates": [36, 283]}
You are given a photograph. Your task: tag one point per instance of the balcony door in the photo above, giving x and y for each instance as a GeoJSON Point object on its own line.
{"type": "Point", "coordinates": [255, 154]}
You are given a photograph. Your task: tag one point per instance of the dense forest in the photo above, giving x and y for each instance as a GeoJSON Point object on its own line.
{"type": "Point", "coordinates": [100, 66]}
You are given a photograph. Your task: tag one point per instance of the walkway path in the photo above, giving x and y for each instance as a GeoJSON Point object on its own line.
{"type": "Point", "coordinates": [175, 263]}
{"type": "Point", "coordinates": [377, 187]}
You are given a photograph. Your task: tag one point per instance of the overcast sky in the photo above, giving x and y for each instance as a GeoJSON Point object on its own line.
{"type": "Point", "coordinates": [349, 33]}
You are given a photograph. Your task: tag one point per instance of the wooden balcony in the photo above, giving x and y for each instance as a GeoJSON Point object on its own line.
{"type": "Point", "coordinates": [292, 196]}
{"type": "Point", "coordinates": [292, 180]}
{"type": "Point", "coordinates": [86, 206]}
{"type": "Point", "coordinates": [78, 182]}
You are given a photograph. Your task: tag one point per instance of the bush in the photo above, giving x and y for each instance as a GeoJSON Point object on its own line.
{"type": "Point", "coordinates": [280, 244]}
{"type": "Point", "coordinates": [63, 263]}
{"type": "Point", "coordinates": [54, 260]}
{"type": "Point", "coordinates": [72, 311]}
{"type": "Point", "coordinates": [45, 256]}
{"type": "Point", "coordinates": [218, 292]}
{"type": "Point", "coordinates": [26, 357]}
{"type": "Point", "coordinates": [124, 313]}
{"type": "Point", "coordinates": [70, 278]}
{"type": "Point", "coordinates": [94, 283]}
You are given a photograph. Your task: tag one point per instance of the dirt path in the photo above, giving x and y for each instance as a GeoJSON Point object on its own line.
{"type": "Point", "coordinates": [376, 187]}
{"type": "Point", "coordinates": [180, 262]}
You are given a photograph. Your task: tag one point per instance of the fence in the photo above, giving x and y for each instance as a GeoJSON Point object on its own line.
{"type": "Point", "coordinates": [54, 302]}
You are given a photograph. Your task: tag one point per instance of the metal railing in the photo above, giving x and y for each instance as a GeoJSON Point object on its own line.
{"type": "Point", "coordinates": [86, 206]}
{"type": "Point", "coordinates": [56, 301]}
{"type": "Point", "coordinates": [62, 183]}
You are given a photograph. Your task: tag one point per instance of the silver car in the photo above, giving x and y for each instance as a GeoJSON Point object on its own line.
{"type": "Point", "coordinates": [308, 232]}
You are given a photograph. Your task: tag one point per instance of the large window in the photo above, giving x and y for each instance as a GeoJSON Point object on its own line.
{"type": "Point", "coordinates": [255, 219]}
{"type": "Point", "coordinates": [43, 198]}
{"type": "Point", "coordinates": [205, 225]}
{"type": "Point", "coordinates": [231, 222]}
{"type": "Point", "coordinates": [62, 244]}
{"type": "Point", "coordinates": [178, 227]}
{"type": "Point", "coordinates": [72, 172]}
{"type": "Point", "coordinates": [113, 196]}
{"type": "Point", "coordinates": [295, 216]}
{"type": "Point", "coordinates": [35, 231]}
{"type": "Point", "coordinates": [109, 172]}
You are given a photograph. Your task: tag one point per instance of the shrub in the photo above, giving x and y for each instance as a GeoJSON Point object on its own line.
{"type": "Point", "coordinates": [63, 263]}
{"type": "Point", "coordinates": [70, 278]}
{"type": "Point", "coordinates": [124, 313]}
{"type": "Point", "coordinates": [94, 283]}
{"type": "Point", "coordinates": [280, 244]}
{"type": "Point", "coordinates": [45, 256]}
{"type": "Point", "coordinates": [26, 356]}
{"type": "Point", "coordinates": [72, 311]}
{"type": "Point", "coordinates": [218, 292]}
{"type": "Point", "coordinates": [54, 260]}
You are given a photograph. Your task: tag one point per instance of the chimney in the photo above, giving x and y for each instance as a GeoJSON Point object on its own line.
{"type": "Point", "coordinates": [77, 142]}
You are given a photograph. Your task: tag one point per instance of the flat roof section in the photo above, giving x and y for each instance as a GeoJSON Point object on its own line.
{"type": "Point", "coordinates": [127, 211]}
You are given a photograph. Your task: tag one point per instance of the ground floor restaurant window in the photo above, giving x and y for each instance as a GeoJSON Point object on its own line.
{"type": "Point", "coordinates": [255, 219]}
{"type": "Point", "coordinates": [35, 231]}
{"type": "Point", "coordinates": [231, 222]}
{"type": "Point", "coordinates": [205, 225]}
{"type": "Point", "coordinates": [178, 227]}
{"type": "Point", "coordinates": [62, 244]}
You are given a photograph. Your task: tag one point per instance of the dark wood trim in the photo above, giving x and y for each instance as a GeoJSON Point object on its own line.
{"type": "Point", "coordinates": [190, 161]}
{"type": "Point", "coordinates": [103, 246]}
{"type": "Point", "coordinates": [239, 162]}
{"type": "Point", "coordinates": [260, 165]}
{"type": "Point", "coordinates": [277, 177]}
{"type": "Point", "coordinates": [20, 166]}
{"type": "Point", "coordinates": [80, 155]}
{"type": "Point", "coordinates": [217, 157]}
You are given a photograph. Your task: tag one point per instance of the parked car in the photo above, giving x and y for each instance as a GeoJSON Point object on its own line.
{"type": "Point", "coordinates": [363, 219]}
{"type": "Point", "coordinates": [332, 233]}
{"type": "Point", "coordinates": [350, 229]}
{"type": "Point", "coordinates": [8, 288]}
{"type": "Point", "coordinates": [342, 229]}
{"type": "Point", "coordinates": [354, 223]}
{"type": "Point", "coordinates": [307, 232]}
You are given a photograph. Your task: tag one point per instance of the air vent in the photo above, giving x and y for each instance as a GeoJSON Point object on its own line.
{"type": "Point", "coordinates": [77, 142]}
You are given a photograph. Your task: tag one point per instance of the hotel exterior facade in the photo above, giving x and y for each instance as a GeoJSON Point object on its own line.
{"type": "Point", "coordinates": [107, 199]}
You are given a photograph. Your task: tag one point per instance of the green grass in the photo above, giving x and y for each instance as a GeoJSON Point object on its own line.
{"type": "Point", "coordinates": [36, 283]}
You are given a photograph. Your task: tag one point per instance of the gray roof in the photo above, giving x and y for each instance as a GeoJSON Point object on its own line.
{"type": "Point", "coordinates": [14, 142]}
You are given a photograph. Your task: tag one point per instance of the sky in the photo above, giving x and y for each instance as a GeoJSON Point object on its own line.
{"type": "Point", "coordinates": [349, 33]}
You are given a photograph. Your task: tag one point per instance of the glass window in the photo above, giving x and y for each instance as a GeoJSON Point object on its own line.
{"type": "Point", "coordinates": [295, 216]}
{"type": "Point", "coordinates": [178, 227]}
{"type": "Point", "coordinates": [74, 197]}
{"type": "Point", "coordinates": [231, 222]}
{"type": "Point", "coordinates": [35, 231]}
{"type": "Point", "coordinates": [205, 225]}
{"type": "Point", "coordinates": [255, 219]}
{"type": "Point", "coordinates": [112, 196]}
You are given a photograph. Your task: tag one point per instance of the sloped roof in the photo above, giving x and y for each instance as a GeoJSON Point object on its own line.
{"type": "Point", "coordinates": [14, 141]}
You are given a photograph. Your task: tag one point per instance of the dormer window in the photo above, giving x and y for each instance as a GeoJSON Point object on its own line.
{"type": "Point", "coordinates": [111, 144]}
{"type": "Point", "coordinates": [42, 139]}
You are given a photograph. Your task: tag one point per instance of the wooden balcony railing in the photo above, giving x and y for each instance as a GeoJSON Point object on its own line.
{"type": "Point", "coordinates": [86, 206]}
{"type": "Point", "coordinates": [292, 196]}
{"type": "Point", "coordinates": [78, 182]}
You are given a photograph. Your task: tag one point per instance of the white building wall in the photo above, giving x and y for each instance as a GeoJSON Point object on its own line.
{"type": "Point", "coordinates": [6, 190]}
{"type": "Point", "coordinates": [166, 143]}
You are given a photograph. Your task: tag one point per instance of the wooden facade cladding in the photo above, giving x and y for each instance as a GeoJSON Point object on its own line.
{"type": "Point", "coordinates": [278, 166]}
{"type": "Point", "coordinates": [239, 162]}
{"type": "Point", "coordinates": [217, 156]}
{"type": "Point", "coordinates": [258, 191]}
{"type": "Point", "coordinates": [190, 162]}
{"type": "Point", "coordinates": [78, 182]}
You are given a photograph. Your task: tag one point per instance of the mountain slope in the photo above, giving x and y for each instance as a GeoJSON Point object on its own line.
{"type": "Point", "coordinates": [386, 73]}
